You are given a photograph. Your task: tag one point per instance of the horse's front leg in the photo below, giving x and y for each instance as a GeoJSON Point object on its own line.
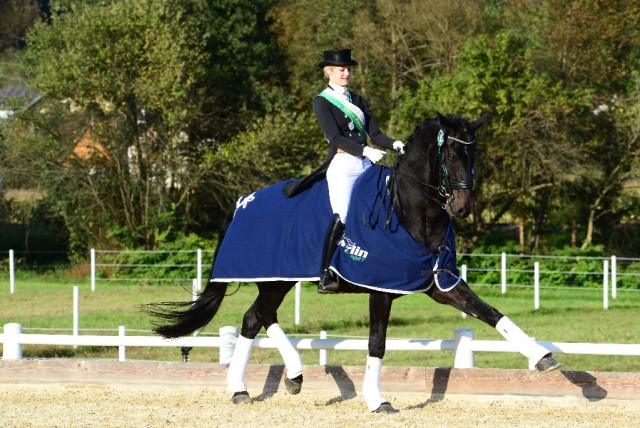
{"type": "Point", "coordinates": [379, 310]}
{"type": "Point", "coordinates": [465, 300]}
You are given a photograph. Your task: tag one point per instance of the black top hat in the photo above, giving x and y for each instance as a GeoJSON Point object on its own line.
{"type": "Point", "coordinates": [337, 57]}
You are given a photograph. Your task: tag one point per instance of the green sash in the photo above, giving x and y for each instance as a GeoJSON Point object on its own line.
{"type": "Point", "coordinates": [328, 94]}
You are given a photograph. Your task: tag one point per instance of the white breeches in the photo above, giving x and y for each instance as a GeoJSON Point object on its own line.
{"type": "Point", "coordinates": [342, 174]}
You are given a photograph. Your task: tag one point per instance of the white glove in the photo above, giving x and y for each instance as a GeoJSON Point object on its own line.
{"type": "Point", "coordinates": [398, 146]}
{"type": "Point", "coordinates": [373, 154]}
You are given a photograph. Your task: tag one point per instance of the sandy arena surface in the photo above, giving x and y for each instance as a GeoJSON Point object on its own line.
{"type": "Point", "coordinates": [102, 405]}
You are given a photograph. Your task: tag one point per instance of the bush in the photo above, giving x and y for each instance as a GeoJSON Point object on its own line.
{"type": "Point", "coordinates": [172, 260]}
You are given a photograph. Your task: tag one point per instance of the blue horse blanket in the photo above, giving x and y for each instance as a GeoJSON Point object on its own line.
{"type": "Point", "coordinates": [273, 238]}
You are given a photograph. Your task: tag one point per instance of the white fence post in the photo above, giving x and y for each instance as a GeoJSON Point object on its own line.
{"type": "Point", "coordinates": [12, 348]}
{"type": "Point", "coordinates": [12, 274]}
{"type": "Point", "coordinates": [297, 303]}
{"type": "Point", "coordinates": [199, 268]}
{"type": "Point", "coordinates": [195, 284]}
{"type": "Point", "coordinates": [503, 271]}
{"type": "Point", "coordinates": [122, 350]}
{"type": "Point", "coordinates": [463, 275]}
{"type": "Point", "coordinates": [228, 338]}
{"type": "Point", "coordinates": [605, 285]}
{"type": "Point", "coordinates": [323, 352]}
{"type": "Point", "coordinates": [463, 354]}
{"type": "Point", "coordinates": [536, 285]}
{"type": "Point", "coordinates": [76, 312]}
{"type": "Point", "coordinates": [614, 277]}
{"type": "Point", "coordinates": [93, 269]}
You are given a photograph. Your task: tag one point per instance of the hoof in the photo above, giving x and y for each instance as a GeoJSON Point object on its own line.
{"type": "Point", "coordinates": [294, 386]}
{"type": "Point", "coordinates": [386, 407]}
{"type": "Point", "coordinates": [547, 364]}
{"type": "Point", "coordinates": [241, 398]}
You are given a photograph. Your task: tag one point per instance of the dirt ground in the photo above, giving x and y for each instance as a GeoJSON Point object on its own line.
{"type": "Point", "coordinates": [102, 405]}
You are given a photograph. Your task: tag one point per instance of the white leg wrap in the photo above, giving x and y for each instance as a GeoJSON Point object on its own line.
{"type": "Point", "coordinates": [523, 343]}
{"type": "Point", "coordinates": [290, 355]}
{"type": "Point", "coordinates": [371, 383]}
{"type": "Point", "coordinates": [238, 365]}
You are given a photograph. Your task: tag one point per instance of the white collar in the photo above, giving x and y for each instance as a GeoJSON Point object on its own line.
{"type": "Point", "coordinates": [339, 89]}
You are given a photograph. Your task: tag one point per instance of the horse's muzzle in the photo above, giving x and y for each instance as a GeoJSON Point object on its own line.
{"type": "Point", "coordinates": [462, 204]}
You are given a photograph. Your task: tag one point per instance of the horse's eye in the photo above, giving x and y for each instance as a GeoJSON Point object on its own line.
{"type": "Point", "coordinates": [452, 156]}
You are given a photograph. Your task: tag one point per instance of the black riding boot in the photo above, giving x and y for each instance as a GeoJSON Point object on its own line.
{"type": "Point", "coordinates": [327, 284]}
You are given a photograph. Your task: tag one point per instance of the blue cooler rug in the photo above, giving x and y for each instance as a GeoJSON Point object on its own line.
{"type": "Point", "coordinates": [275, 238]}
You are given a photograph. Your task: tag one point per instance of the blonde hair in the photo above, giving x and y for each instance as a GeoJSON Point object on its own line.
{"type": "Point", "coordinates": [328, 69]}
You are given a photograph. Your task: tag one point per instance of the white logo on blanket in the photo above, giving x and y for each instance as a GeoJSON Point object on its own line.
{"type": "Point", "coordinates": [352, 249]}
{"type": "Point", "coordinates": [244, 200]}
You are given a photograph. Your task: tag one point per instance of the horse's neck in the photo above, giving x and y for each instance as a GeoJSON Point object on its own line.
{"type": "Point", "coordinates": [422, 216]}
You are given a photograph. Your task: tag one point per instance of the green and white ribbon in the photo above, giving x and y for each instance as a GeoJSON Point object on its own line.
{"type": "Point", "coordinates": [351, 110]}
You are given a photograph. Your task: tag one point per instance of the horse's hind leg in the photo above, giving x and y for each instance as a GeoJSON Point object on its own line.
{"type": "Point", "coordinates": [464, 299]}
{"type": "Point", "coordinates": [271, 296]}
{"type": "Point", "coordinates": [263, 313]}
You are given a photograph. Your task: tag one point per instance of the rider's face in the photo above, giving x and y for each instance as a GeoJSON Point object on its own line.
{"type": "Point", "coordinates": [339, 75]}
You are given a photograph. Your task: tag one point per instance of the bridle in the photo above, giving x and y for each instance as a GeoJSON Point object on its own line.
{"type": "Point", "coordinates": [447, 184]}
{"type": "Point", "coordinates": [446, 187]}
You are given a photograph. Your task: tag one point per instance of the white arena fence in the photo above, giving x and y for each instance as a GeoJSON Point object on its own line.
{"type": "Point", "coordinates": [107, 270]}
{"type": "Point", "coordinates": [538, 272]}
{"type": "Point", "coordinates": [463, 345]}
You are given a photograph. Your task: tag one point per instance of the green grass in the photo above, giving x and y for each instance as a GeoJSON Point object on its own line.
{"type": "Point", "coordinates": [565, 316]}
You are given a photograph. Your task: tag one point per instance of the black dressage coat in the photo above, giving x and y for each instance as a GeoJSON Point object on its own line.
{"type": "Point", "coordinates": [335, 125]}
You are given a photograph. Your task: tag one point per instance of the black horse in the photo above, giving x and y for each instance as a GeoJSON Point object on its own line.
{"type": "Point", "coordinates": [436, 172]}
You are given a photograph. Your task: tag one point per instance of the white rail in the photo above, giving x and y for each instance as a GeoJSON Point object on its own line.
{"type": "Point", "coordinates": [463, 345]}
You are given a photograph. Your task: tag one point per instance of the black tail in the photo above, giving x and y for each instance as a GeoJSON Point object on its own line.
{"type": "Point", "coordinates": [183, 318]}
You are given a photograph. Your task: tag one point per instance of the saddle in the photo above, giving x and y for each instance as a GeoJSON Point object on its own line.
{"type": "Point", "coordinates": [295, 187]}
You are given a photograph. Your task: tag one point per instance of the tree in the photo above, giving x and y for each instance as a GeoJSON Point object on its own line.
{"type": "Point", "coordinates": [545, 85]}
{"type": "Point", "coordinates": [527, 146]}
{"type": "Point", "coordinates": [16, 16]}
{"type": "Point", "coordinates": [155, 85]}
{"type": "Point", "coordinates": [395, 43]}
{"type": "Point", "coordinates": [590, 45]}
{"type": "Point", "coordinates": [279, 146]}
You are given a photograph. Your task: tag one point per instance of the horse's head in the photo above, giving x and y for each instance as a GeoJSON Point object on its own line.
{"type": "Point", "coordinates": [457, 154]}
{"type": "Point", "coordinates": [439, 160]}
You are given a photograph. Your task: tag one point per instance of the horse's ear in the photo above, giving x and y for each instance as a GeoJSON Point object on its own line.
{"type": "Point", "coordinates": [443, 121]}
{"type": "Point", "coordinates": [484, 118]}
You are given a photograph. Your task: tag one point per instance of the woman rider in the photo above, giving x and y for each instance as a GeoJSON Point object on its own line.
{"type": "Point", "coordinates": [346, 120]}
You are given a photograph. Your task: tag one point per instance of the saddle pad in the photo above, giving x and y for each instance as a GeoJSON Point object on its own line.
{"type": "Point", "coordinates": [273, 238]}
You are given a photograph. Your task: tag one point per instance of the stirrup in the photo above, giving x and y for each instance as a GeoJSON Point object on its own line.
{"type": "Point", "coordinates": [327, 284]}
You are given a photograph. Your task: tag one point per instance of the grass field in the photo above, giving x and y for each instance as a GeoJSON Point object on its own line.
{"type": "Point", "coordinates": [44, 303]}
